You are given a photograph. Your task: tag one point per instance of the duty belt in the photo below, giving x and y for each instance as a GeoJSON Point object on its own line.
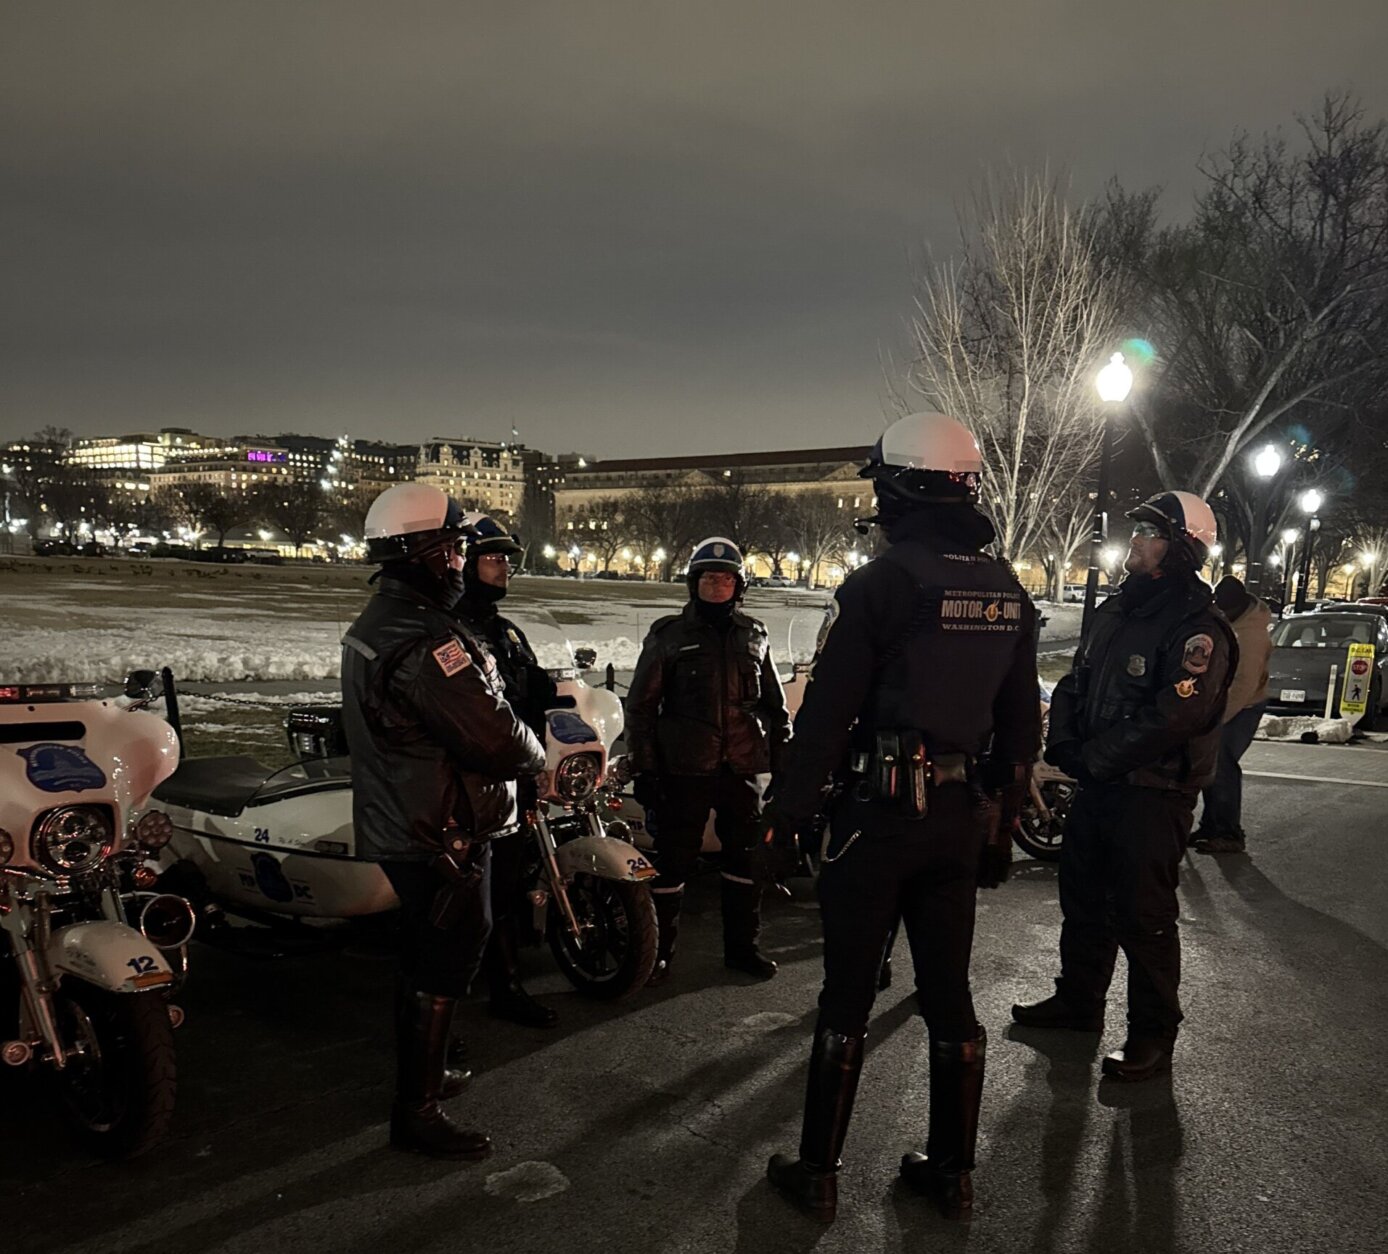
{"type": "Point", "coordinates": [900, 770]}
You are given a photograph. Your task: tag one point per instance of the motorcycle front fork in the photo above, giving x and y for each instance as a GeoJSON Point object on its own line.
{"type": "Point", "coordinates": [544, 838]}
{"type": "Point", "coordinates": [29, 927]}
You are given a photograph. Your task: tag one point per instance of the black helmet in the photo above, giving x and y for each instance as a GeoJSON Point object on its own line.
{"type": "Point", "coordinates": [716, 553]}
{"type": "Point", "coordinates": [489, 536]}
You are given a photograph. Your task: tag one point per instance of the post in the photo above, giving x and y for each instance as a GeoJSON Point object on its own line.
{"type": "Point", "coordinates": [1097, 534]}
{"type": "Point", "coordinates": [1312, 526]}
{"type": "Point", "coordinates": [1254, 582]}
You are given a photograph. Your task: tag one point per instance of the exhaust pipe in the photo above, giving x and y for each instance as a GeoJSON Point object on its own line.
{"type": "Point", "coordinates": [167, 921]}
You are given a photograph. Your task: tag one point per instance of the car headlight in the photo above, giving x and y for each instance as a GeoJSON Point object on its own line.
{"type": "Point", "coordinates": [73, 839]}
{"type": "Point", "coordinates": [153, 831]}
{"type": "Point", "coordinates": [577, 776]}
{"type": "Point", "coordinates": [6, 846]}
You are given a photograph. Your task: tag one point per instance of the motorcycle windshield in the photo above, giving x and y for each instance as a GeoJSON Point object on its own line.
{"type": "Point", "coordinates": [548, 639]}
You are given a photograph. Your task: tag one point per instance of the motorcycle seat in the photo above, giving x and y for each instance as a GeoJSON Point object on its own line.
{"type": "Point", "coordinates": [220, 786]}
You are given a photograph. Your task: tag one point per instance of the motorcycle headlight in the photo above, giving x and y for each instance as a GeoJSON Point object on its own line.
{"type": "Point", "coordinates": [6, 846]}
{"type": "Point", "coordinates": [73, 839]}
{"type": "Point", "coordinates": [577, 776]}
{"type": "Point", "coordinates": [153, 831]}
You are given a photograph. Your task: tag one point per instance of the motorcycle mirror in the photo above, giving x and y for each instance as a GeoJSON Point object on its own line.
{"type": "Point", "coordinates": [585, 658]}
{"type": "Point", "coordinates": [140, 685]}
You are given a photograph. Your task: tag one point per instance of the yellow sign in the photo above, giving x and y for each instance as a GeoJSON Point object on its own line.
{"type": "Point", "coordinates": [1359, 674]}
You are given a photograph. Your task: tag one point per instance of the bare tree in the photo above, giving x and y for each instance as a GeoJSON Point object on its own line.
{"type": "Point", "coordinates": [819, 528]}
{"type": "Point", "coordinates": [297, 509]}
{"type": "Point", "coordinates": [666, 517]}
{"type": "Point", "coordinates": [739, 509]}
{"type": "Point", "coordinates": [1273, 301]}
{"type": "Point", "coordinates": [1066, 532]}
{"type": "Point", "coordinates": [1008, 337]}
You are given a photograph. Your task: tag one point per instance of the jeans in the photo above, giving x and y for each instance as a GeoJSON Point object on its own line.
{"type": "Point", "coordinates": [1223, 813]}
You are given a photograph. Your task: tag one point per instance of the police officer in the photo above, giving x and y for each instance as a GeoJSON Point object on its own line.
{"type": "Point", "coordinates": [529, 691]}
{"type": "Point", "coordinates": [705, 716]}
{"type": "Point", "coordinates": [927, 663]}
{"type": "Point", "coordinates": [433, 746]}
{"type": "Point", "coordinates": [1136, 722]}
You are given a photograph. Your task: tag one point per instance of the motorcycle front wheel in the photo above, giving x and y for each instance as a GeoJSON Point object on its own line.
{"type": "Point", "coordinates": [1038, 835]}
{"type": "Point", "coordinates": [117, 1092]}
{"type": "Point", "coordinates": [615, 953]}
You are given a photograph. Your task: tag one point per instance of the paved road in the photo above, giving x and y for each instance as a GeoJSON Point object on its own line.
{"type": "Point", "coordinates": [646, 1127]}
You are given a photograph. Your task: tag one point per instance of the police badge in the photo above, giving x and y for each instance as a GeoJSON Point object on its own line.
{"type": "Point", "coordinates": [1137, 665]}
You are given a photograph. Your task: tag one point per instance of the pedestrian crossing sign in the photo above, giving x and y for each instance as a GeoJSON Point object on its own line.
{"type": "Point", "coordinates": [1359, 673]}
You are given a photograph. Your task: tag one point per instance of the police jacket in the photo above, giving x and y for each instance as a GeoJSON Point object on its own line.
{"type": "Point", "coordinates": [1146, 692]}
{"type": "Point", "coordinates": [706, 697]}
{"type": "Point", "coordinates": [933, 636]}
{"type": "Point", "coordinates": [432, 740]}
{"type": "Point", "coordinates": [528, 687]}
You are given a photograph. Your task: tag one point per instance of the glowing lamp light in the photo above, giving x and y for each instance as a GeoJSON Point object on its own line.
{"type": "Point", "coordinates": [549, 550]}
{"type": "Point", "coordinates": [1115, 380]}
{"type": "Point", "coordinates": [793, 558]}
{"type": "Point", "coordinates": [1268, 462]}
{"type": "Point", "coordinates": [1290, 536]}
{"type": "Point", "coordinates": [1311, 501]}
{"type": "Point", "coordinates": [1216, 550]}
{"type": "Point", "coordinates": [1111, 556]}
{"type": "Point", "coordinates": [1274, 559]}
{"type": "Point", "coordinates": [658, 555]}
{"type": "Point", "coordinates": [264, 535]}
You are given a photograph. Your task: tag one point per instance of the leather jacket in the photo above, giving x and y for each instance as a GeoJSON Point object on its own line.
{"type": "Point", "coordinates": [528, 687]}
{"type": "Point", "coordinates": [1145, 695]}
{"type": "Point", "coordinates": [706, 698]}
{"type": "Point", "coordinates": [432, 740]}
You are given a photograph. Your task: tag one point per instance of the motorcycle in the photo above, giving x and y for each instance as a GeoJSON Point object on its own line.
{"type": "Point", "coordinates": [1041, 829]}
{"type": "Point", "coordinates": [97, 954]}
{"type": "Point", "coordinates": [278, 848]}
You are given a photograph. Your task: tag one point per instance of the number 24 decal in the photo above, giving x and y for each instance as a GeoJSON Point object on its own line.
{"type": "Point", "coordinates": [142, 965]}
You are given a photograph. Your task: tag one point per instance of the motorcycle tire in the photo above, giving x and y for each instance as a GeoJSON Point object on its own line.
{"type": "Point", "coordinates": [1039, 837]}
{"type": "Point", "coordinates": [118, 1097]}
{"type": "Point", "coordinates": [618, 919]}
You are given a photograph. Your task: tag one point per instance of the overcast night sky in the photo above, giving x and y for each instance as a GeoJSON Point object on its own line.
{"type": "Point", "coordinates": [630, 229]}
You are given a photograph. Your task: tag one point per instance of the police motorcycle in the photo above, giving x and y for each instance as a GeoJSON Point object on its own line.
{"type": "Point", "coordinates": [97, 954]}
{"type": "Point", "coordinates": [276, 847]}
{"type": "Point", "coordinates": [1041, 826]}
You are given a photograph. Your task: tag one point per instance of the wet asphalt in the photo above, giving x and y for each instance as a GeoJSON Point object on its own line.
{"type": "Point", "coordinates": [645, 1126]}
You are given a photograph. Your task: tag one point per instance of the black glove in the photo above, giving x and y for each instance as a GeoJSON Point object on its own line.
{"type": "Point", "coordinates": [648, 790]}
{"type": "Point", "coordinates": [1067, 756]}
{"type": "Point", "coordinates": [775, 854]}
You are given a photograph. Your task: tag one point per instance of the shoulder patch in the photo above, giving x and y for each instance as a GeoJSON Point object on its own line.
{"type": "Point", "coordinates": [452, 658]}
{"type": "Point", "coordinates": [1195, 657]}
{"type": "Point", "coordinates": [1185, 689]}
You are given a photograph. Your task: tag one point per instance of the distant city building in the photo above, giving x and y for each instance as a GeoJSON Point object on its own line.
{"type": "Point", "coordinates": [127, 462]}
{"type": "Point", "coordinates": [479, 474]}
{"type": "Point", "coordinates": [233, 468]}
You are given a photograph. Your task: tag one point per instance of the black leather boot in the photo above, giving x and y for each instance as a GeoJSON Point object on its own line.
{"type": "Point", "coordinates": [956, 1091]}
{"type": "Point", "coordinates": [508, 999]}
{"type": "Point", "coordinates": [456, 1075]}
{"type": "Point", "coordinates": [741, 929]}
{"type": "Point", "coordinates": [1141, 1058]}
{"type": "Point", "coordinates": [1056, 1012]}
{"type": "Point", "coordinates": [667, 917]}
{"type": "Point", "coordinates": [417, 1121]}
{"type": "Point", "coordinates": [812, 1180]}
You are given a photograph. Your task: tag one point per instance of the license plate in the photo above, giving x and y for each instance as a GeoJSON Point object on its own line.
{"type": "Point", "coordinates": [1293, 694]}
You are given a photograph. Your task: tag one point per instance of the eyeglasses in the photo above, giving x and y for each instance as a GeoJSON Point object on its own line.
{"type": "Point", "coordinates": [503, 558]}
{"type": "Point", "coordinates": [1148, 531]}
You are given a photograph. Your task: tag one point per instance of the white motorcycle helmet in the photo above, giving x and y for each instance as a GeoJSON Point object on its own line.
{"type": "Point", "coordinates": [1187, 521]}
{"type": "Point", "coordinates": [410, 520]}
{"type": "Point", "coordinates": [924, 459]}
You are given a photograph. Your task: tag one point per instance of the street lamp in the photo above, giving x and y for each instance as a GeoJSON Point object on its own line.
{"type": "Point", "coordinates": [1266, 464]}
{"type": "Point", "coordinates": [1114, 383]}
{"type": "Point", "coordinates": [1311, 501]}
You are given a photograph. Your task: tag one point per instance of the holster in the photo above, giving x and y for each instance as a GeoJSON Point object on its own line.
{"type": "Point", "coordinates": [899, 770]}
{"type": "Point", "coordinates": [460, 875]}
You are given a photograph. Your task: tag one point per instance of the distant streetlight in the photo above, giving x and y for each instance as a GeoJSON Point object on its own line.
{"type": "Point", "coordinates": [1310, 503]}
{"type": "Point", "coordinates": [549, 550]}
{"type": "Point", "coordinates": [1266, 464]}
{"type": "Point", "coordinates": [1114, 383]}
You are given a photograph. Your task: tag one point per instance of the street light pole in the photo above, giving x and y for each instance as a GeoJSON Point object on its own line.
{"type": "Point", "coordinates": [1265, 465]}
{"type": "Point", "coordinates": [1114, 382]}
{"type": "Point", "coordinates": [1310, 503]}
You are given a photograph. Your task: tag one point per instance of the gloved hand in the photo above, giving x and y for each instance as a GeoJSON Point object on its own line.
{"type": "Point", "coordinates": [776, 854]}
{"type": "Point", "coordinates": [1067, 756]}
{"type": "Point", "coordinates": [647, 790]}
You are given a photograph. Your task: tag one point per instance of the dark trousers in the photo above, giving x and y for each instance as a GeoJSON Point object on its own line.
{"type": "Point", "coordinates": [879, 867]}
{"type": "Point", "coordinates": [1223, 813]}
{"type": "Point", "coordinates": [683, 813]}
{"type": "Point", "coordinates": [1119, 867]}
{"type": "Point", "coordinates": [442, 960]}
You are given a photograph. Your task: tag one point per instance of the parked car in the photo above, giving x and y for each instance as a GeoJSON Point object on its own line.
{"type": "Point", "coordinates": [1306, 646]}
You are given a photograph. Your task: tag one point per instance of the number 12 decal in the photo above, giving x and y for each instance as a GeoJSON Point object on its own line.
{"type": "Point", "coordinates": [142, 965]}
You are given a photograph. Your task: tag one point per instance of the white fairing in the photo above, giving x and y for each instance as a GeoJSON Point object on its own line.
{"type": "Point", "coordinates": [109, 955]}
{"type": "Point", "coordinates": [120, 757]}
{"type": "Point", "coordinates": [294, 855]}
{"type": "Point", "coordinates": [605, 857]}
{"type": "Point", "coordinates": [591, 725]}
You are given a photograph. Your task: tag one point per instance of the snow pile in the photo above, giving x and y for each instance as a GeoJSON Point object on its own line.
{"type": "Point", "coordinates": [1326, 731]}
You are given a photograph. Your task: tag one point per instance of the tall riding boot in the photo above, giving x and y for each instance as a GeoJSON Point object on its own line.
{"type": "Point", "coordinates": [417, 1122]}
{"type": "Point", "coordinates": [741, 929]}
{"type": "Point", "coordinates": [667, 917]}
{"type": "Point", "coordinates": [509, 1000]}
{"type": "Point", "coordinates": [455, 1077]}
{"type": "Point", "coordinates": [956, 1091]}
{"type": "Point", "coordinates": [812, 1180]}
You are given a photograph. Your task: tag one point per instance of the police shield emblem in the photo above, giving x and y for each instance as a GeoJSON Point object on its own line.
{"type": "Point", "coordinates": [1137, 666]}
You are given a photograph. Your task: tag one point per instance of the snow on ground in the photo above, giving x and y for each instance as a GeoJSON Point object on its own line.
{"type": "Point", "coordinates": [62, 629]}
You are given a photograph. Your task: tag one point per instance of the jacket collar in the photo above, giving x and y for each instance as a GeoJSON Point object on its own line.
{"type": "Point", "coordinates": [399, 590]}
{"type": "Point", "coordinates": [737, 617]}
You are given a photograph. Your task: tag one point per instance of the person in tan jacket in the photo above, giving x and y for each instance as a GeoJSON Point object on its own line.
{"type": "Point", "coordinates": [1221, 829]}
